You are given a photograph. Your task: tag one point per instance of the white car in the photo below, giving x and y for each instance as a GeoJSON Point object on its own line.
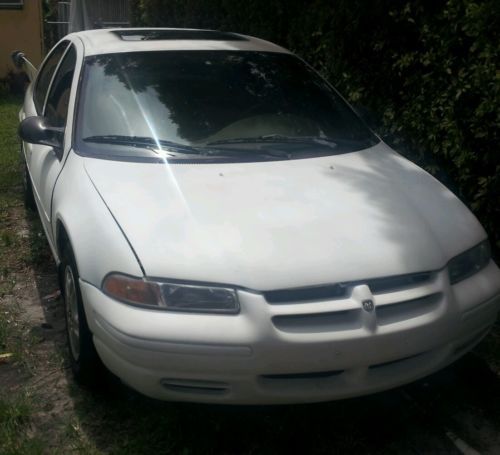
{"type": "Point", "coordinates": [228, 230]}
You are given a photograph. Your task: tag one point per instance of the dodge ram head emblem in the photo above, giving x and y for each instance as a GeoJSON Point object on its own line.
{"type": "Point", "coordinates": [368, 305]}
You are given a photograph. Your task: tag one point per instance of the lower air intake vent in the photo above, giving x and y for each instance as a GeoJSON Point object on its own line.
{"type": "Point", "coordinates": [195, 387]}
{"type": "Point", "coordinates": [321, 374]}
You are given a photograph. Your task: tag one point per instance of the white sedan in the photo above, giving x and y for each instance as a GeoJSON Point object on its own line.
{"type": "Point", "coordinates": [228, 230]}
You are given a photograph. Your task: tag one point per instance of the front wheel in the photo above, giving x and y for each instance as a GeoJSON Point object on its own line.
{"type": "Point", "coordinates": [85, 363]}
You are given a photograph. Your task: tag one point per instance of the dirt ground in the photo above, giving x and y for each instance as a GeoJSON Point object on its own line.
{"type": "Point", "coordinates": [454, 411]}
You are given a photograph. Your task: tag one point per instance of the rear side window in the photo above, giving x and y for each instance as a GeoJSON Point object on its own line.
{"type": "Point", "coordinates": [56, 109]}
{"type": "Point", "coordinates": [45, 75]}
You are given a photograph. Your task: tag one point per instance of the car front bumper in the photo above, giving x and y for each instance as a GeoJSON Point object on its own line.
{"type": "Point", "coordinates": [294, 353]}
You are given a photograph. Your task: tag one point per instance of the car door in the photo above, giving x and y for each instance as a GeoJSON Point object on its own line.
{"type": "Point", "coordinates": [35, 98]}
{"type": "Point", "coordinates": [44, 162]}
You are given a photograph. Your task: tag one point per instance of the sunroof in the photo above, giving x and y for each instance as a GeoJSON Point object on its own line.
{"type": "Point", "coordinates": [153, 35]}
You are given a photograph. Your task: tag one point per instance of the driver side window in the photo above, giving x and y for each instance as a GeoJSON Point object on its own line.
{"type": "Point", "coordinates": [56, 109]}
{"type": "Point", "coordinates": [45, 76]}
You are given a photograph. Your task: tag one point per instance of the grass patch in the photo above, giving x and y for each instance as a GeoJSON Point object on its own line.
{"type": "Point", "coordinates": [3, 332]}
{"type": "Point", "coordinates": [15, 409]}
{"type": "Point", "coordinates": [9, 197]}
{"type": "Point", "coordinates": [39, 252]}
{"type": "Point", "coordinates": [10, 191]}
{"type": "Point", "coordinates": [22, 246]}
{"type": "Point", "coordinates": [9, 156]}
{"type": "Point", "coordinates": [15, 417]}
{"type": "Point", "coordinates": [5, 329]}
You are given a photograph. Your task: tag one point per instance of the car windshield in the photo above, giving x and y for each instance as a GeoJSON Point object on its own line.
{"type": "Point", "coordinates": [212, 103]}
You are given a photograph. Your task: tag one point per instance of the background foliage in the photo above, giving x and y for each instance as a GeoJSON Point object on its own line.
{"type": "Point", "coordinates": [427, 69]}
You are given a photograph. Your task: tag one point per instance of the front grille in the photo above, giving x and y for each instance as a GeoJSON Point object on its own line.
{"type": "Point", "coordinates": [337, 308]}
{"type": "Point", "coordinates": [393, 283]}
{"type": "Point", "coordinates": [333, 291]}
{"type": "Point", "coordinates": [408, 309]}
{"type": "Point", "coordinates": [334, 321]}
{"type": "Point", "coordinates": [340, 290]}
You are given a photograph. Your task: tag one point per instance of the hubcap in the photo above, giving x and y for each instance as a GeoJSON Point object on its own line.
{"type": "Point", "coordinates": [71, 302]}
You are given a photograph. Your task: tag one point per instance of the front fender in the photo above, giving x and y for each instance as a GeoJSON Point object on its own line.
{"type": "Point", "coordinates": [98, 243]}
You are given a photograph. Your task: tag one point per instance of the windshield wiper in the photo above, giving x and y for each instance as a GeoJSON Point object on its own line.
{"type": "Point", "coordinates": [276, 139]}
{"type": "Point", "coordinates": [211, 150]}
{"type": "Point", "coordinates": [140, 141]}
{"type": "Point", "coordinates": [253, 153]}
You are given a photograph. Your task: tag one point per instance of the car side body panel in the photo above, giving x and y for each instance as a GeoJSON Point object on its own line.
{"type": "Point", "coordinates": [97, 241]}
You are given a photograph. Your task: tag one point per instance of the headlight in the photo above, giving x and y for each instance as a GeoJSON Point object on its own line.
{"type": "Point", "coordinates": [470, 262]}
{"type": "Point", "coordinates": [171, 296]}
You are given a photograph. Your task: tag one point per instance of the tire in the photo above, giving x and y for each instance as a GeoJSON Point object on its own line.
{"type": "Point", "coordinates": [29, 198]}
{"type": "Point", "coordinates": [85, 363]}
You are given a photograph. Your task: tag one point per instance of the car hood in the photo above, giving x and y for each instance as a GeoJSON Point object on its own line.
{"type": "Point", "coordinates": [281, 224]}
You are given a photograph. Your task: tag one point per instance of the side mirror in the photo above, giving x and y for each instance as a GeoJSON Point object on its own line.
{"type": "Point", "coordinates": [36, 130]}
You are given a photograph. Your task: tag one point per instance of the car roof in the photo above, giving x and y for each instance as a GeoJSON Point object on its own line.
{"type": "Point", "coordinates": [106, 41]}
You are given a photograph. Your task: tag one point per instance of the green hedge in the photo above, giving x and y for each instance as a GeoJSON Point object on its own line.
{"type": "Point", "coordinates": [429, 70]}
